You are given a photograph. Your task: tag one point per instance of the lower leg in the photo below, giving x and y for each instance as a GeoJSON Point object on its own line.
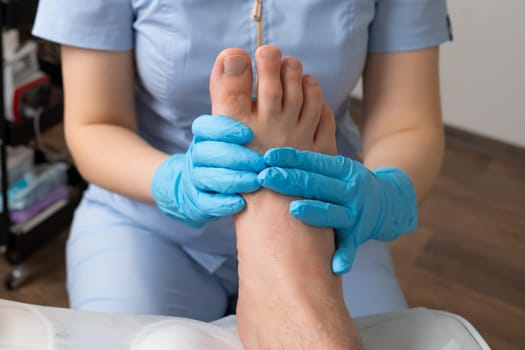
{"type": "Point", "coordinates": [288, 296]}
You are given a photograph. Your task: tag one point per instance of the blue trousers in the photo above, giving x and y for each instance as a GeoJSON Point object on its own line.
{"type": "Point", "coordinates": [121, 258]}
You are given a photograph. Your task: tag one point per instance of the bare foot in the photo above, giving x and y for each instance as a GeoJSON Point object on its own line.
{"type": "Point", "coordinates": [288, 296]}
{"type": "Point", "coordinates": [283, 115]}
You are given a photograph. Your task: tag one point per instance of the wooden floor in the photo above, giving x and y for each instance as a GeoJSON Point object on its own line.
{"type": "Point", "coordinates": [467, 257]}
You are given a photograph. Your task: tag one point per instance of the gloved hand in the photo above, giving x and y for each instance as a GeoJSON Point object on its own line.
{"type": "Point", "coordinates": [204, 183]}
{"type": "Point", "coordinates": [342, 194]}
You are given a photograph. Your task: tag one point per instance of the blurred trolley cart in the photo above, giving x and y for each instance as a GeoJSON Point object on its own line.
{"type": "Point", "coordinates": [19, 240]}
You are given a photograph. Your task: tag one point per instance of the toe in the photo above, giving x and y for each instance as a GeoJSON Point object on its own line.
{"type": "Point", "coordinates": [269, 90]}
{"type": "Point", "coordinates": [312, 106]}
{"type": "Point", "coordinates": [325, 133]}
{"type": "Point", "coordinates": [231, 84]}
{"type": "Point", "coordinates": [292, 77]}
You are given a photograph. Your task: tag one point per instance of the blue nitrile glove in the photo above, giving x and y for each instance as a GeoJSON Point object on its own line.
{"type": "Point", "coordinates": [342, 194]}
{"type": "Point", "coordinates": [204, 183]}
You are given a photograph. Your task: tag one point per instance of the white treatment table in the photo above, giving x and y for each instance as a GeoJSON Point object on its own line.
{"type": "Point", "coordinates": [31, 327]}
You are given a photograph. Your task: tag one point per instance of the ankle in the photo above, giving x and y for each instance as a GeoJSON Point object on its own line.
{"type": "Point", "coordinates": [267, 224]}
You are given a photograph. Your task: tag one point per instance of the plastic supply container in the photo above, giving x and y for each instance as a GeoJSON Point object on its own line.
{"type": "Point", "coordinates": [20, 160]}
{"type": "Point", "coordinates": [20, 216]}
{"type": "Point", "coordinates": [35, 185]}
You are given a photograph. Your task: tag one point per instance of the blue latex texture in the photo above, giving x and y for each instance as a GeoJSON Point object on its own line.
{"type": "Point", "coordinates": [204, 183]}
{"type": "Point", "coordinates": [341, 193]}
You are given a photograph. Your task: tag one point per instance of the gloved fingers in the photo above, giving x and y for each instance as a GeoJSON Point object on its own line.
{"type": "Point", "coordinates": [332, 166]}
{"type": "Point", "coordinates": [224, 181]}
{"type": "Point", "coordinates": [220, 128]}
{"type": "Point", "coordinates": [321, 214]}
{"type": "Point", "coordinates": [226, 155]}
{"type": "Point", "coordinates": [218, 205]}
{"type": "Point", "coordinates": [310, 185]}
{"type": "Point", "coordinates": [343, 259]}
{"type": "Point", "coordinates": [346, 242]}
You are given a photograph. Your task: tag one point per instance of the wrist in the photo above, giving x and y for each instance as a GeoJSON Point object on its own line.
{"type": "Point", "coordinates": [164, 180]}
{"type": "Point", "coordinates": [399, 212]}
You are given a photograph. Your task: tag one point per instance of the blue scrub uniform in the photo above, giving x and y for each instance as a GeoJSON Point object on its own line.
{"type": "Point", "coordinates": [125, 256]}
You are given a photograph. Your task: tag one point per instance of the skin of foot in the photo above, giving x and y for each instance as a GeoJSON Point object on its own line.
{"type": "Point", "coordinates": [288, 296]}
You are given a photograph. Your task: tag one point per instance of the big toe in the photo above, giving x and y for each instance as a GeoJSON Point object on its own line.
{"type": "Point", "coordinates": [231, 84]}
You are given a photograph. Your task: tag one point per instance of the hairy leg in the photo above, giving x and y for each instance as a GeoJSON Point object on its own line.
{"type": "Point", "coordinates": [288, 296]}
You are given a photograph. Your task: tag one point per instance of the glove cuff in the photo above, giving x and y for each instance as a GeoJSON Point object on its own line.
{"type": "Point", "coordinates": [164, 183]}
{"type": "Point", "coordinates": [399, 210]}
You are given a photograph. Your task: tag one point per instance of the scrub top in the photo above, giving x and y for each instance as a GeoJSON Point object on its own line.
{"type": "Point", "coordinates": [175, 43]}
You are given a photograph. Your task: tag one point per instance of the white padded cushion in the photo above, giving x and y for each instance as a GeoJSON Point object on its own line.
{"type": "Point", "coordinates": [23, 327]}
{"type": "Point", "coordinates": [186, 334]}
{"type": "Point", "coordinates": [28, 327]}
{"type": "Point", "coordinates": [419, 329]}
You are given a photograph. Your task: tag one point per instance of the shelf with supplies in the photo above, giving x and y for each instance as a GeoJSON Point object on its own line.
{"type": "Point", "coordinates": [27, 237]}
{"type": "Point", "coordinates": [39, 207]}
{"type": "Point", "coordinates": [17, 12]}
{"type": "Point", "coordinates": [24, 131]}
{"type": "Point", "coordinates": [40, 188]}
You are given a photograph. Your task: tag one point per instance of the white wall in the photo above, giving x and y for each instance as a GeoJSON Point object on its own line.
{"type": "Point", "coordinates": [483, 69]}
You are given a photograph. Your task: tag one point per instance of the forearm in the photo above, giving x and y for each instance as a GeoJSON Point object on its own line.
{"type": "Point", "coordinates": [100, 121]}
{"type": "Point", "coordinates": [417, 151]}
{"type": "Point", "coordinates": [115, 158]}
{"type": "Point", "coordinates": [402, 111]}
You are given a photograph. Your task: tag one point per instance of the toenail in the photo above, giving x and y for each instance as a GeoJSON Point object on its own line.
{"type": "Point", "coordinates": [235, 65]}
{"type": "Point", "coordinates": [293, 64]}
{"type": "Point", "coordinates": [269, 53]}
{"type": "Point", "coordinates": [310, 81]}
